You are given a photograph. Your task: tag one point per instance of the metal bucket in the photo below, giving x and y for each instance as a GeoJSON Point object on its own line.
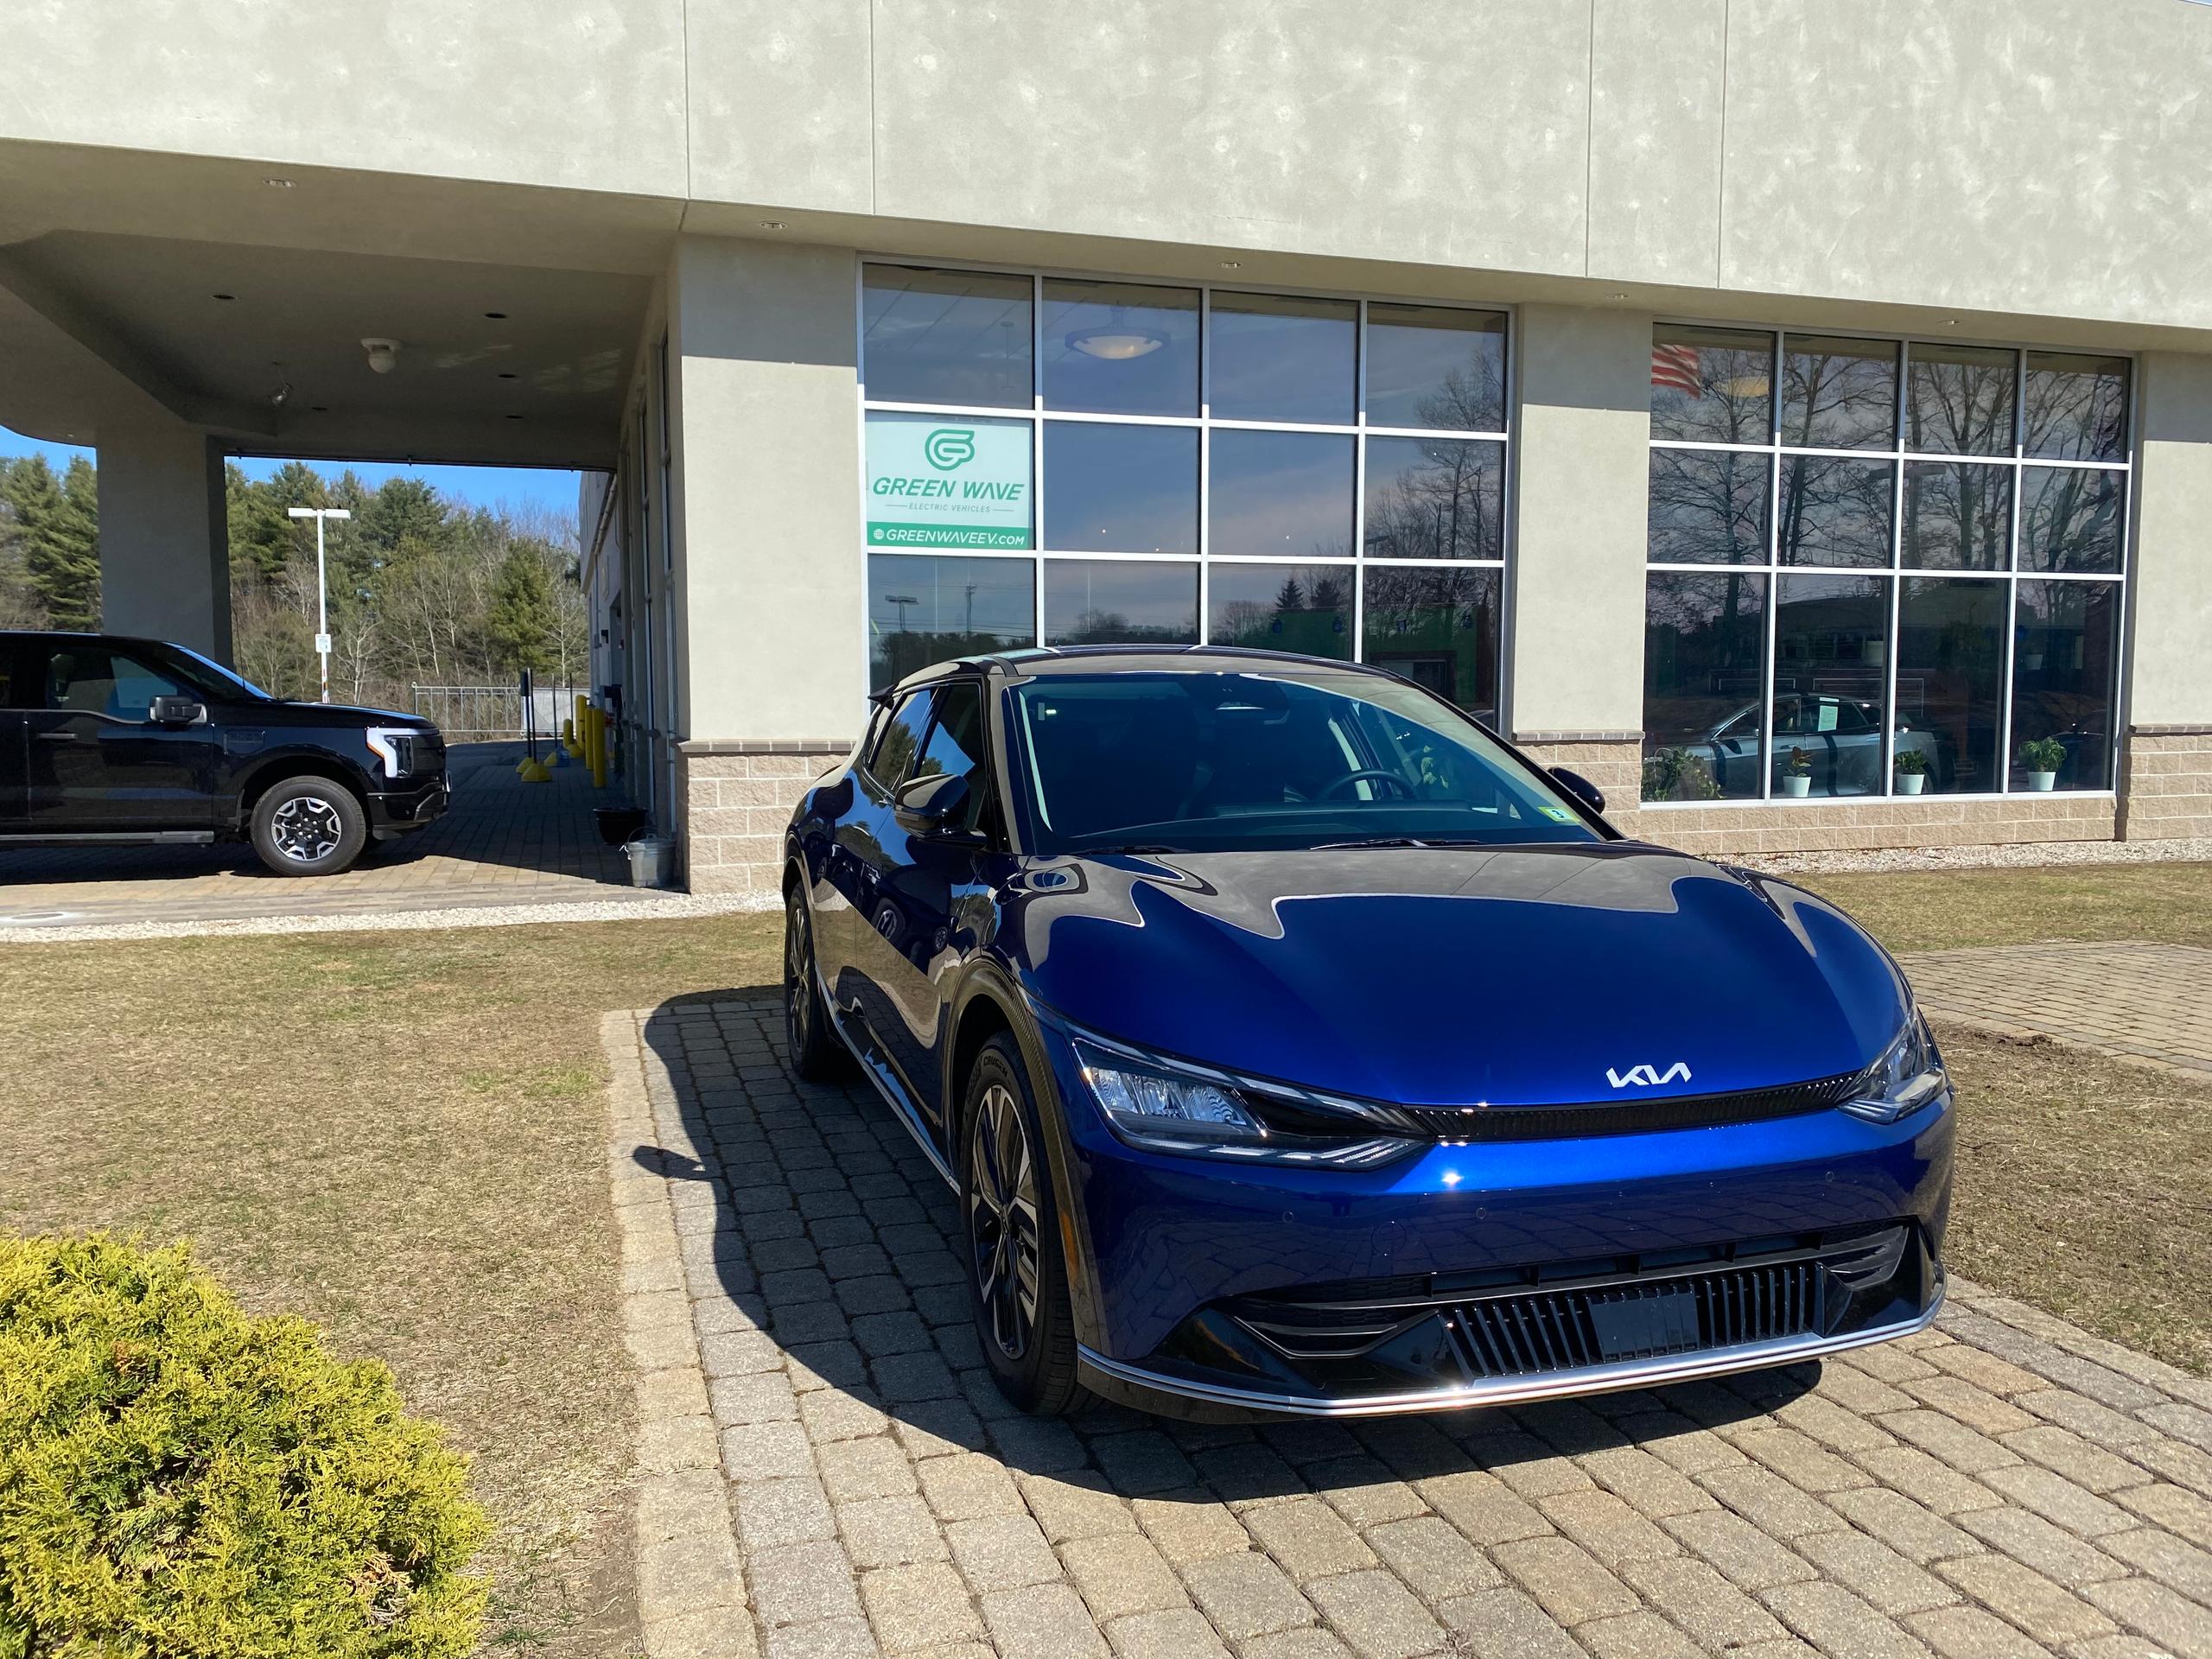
{"type": "Point", "coordinates": [652, 860]}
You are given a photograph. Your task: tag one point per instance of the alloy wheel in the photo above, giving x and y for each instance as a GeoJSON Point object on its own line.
{"type": "Point", "coordinates": [1002, 1219]}
{"type": "Point", "coordinates": [799, 967]}
{"type": "Point", "coordinates": [306, 828]}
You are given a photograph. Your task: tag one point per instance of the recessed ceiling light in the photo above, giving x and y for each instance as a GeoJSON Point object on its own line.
{"type": "Point", "coordinates": [1232, 265]}
{"type": "Point", "coordinates": [279, 184]}
{"type": "Point", "coordinates": [1618, 296]}
{"type": "Point", "coordinates": [773, 225]}
{"type": "Point", "coordinates": [320, 409]}
{"type": "Point", "coordinates": [227, 296]}
{"type": "Point", "coordinates": [514, 417]}
{"type": "Point", "coordinates": [508, 374]}
{"type": "Point", "coordinates": [497, 316]}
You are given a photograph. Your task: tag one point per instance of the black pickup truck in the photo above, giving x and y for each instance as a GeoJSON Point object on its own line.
{"type": "Point", "coordinates": [108, 738]}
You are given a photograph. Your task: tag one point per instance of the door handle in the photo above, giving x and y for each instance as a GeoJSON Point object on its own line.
{"type": "Point", "coordinates": [55, 737]}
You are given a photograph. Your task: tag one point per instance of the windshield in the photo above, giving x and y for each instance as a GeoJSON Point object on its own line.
{"type": "Point", "coordinates": [1264, 760]}
{"type": "Point", "coordinates": [212, 677]}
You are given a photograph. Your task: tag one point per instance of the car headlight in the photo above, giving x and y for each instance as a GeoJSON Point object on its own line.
{"type": "Point", "coordinates": [1169, 1106]}
{"type": "Point", "coordinates": [395, 747]}
{"type": "Point", "coordinates": [1905, 1079]}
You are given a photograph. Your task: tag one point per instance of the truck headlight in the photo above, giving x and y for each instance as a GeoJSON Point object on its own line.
{"type": "Point", "coordinates": [1907, 1077]}
{"type": "Point", "coordinates": [395, 747]}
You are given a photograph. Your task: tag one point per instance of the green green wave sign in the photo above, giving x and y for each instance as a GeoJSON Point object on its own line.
{"type": "Point", "coordinates": [934, 481]}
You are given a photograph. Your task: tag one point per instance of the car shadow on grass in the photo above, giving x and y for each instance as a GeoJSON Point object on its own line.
{"type": "Point", "coordinates": [817, 1240]}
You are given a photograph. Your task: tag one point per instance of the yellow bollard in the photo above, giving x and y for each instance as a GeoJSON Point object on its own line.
{"type": "Point", "coordinates": [595, 743]}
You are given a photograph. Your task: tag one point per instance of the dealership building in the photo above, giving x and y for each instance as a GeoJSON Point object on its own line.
{"type": "Point", "coordinates": [1795, 418]}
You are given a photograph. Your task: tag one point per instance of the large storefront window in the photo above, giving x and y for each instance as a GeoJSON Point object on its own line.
{"type": "Point", "coordinates": [1060, 460]}
{"type": "Point", "coordinates": [1880, 567]}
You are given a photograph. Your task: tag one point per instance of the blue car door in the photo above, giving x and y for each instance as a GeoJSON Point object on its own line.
{"type": "Point", "coordinates": [930, 902]}
{"type": "Point", "coordinates": [853, 929]}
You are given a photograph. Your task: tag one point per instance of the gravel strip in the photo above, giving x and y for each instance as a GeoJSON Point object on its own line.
{"type": "Point", "coordinates": [661, 907]}
{"type": "Point", "coordinates": [2014, 856]}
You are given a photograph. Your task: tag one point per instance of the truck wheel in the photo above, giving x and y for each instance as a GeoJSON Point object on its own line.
{"type": "Point", "coordinates": [309, 826]}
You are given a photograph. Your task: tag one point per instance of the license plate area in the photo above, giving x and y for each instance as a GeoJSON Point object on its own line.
{"type": "Point", "coordinates": [1633, 1324]}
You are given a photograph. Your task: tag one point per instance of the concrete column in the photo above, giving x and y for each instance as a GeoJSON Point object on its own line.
{"type": "Point", "coordinates": [2167, 760]}
{"type": "Point", "coordinates": [165, 567]}
{"type": "Point", "coordinates": [1581, 464]}
{"type": "Point", "coordinates": [764, 396]}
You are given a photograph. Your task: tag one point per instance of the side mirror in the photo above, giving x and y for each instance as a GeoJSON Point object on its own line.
{"type": "Point", "coordinates": [176, 711]}
{"type": "Point", "coordinates": [933, 805]}
{"type": "Point", "coordinates": [1579, 786]}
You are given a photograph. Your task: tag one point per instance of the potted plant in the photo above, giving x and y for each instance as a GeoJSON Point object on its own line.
{"type": "Point", "coordinates": [2042, 757]}
{"type": "Point", "coordinates": [1912, 771]}
{"type": "Point", "coordinates": [1678, 775]}
{"type": "Point", "coordinates": [1797, 773]}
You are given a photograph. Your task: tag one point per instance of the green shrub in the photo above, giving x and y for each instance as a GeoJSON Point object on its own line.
{"type": "Point", "coordinates": [179, 1479]}
{"type": "Point", "coordinates": [2043, 754]}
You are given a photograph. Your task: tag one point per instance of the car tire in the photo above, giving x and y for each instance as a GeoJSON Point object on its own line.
{"type": "Point", "coordinates": [817, 1053]}
{"type": "Point", "coordinates": [1010, 1232]}
{"type": "Point", "coordinates": [309, 826]}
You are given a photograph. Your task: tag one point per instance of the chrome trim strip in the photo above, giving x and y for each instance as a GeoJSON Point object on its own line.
{"type": "Point", "coordinates": [892, 1096]}
{"type": "Point", "coordinates": [1519, 1390]}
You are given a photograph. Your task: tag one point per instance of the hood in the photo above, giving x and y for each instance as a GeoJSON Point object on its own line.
{"type": "Point", "coordinates": [1520, 975]}
{"type": "Point", "coordinates": [288, 711]}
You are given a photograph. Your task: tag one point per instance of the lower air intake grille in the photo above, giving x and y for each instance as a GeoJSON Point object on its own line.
{"type": "Point", "coordinates": [1533, 1331]}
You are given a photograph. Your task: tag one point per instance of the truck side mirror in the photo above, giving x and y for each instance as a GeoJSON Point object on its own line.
{"type": "Point", "coordinates": [176, 711]}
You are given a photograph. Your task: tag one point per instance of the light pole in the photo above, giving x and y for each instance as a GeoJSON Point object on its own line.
{"type": "Point", "coordinates": [322, 588]}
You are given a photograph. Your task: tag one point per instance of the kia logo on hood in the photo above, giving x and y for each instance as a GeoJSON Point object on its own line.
{"type": "Point", "coordinates": [1645, 1076]}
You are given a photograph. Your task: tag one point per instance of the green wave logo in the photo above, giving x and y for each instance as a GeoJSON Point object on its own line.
{"type": "Point", "coordinates": [948, 448]}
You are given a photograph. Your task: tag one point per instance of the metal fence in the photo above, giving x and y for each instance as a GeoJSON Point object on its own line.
{"type": "Point", "coordinates": [484, 714]}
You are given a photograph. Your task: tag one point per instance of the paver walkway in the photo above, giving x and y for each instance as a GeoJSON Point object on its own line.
{"type": "Point", "coordinates": [828, 1469]}
{"type": "Point", "coordinates": [2152, 1001]}
{"type": "Point", "coordinates": [502, 842]}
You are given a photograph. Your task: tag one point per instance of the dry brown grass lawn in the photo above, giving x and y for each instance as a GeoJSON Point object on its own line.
{"type": "Point", "coordinates": [400, 1135]}
{"type": "Point", "coordinates": [2085, 1188]}
{"type": "Point", "coordinates": [1936, 910]}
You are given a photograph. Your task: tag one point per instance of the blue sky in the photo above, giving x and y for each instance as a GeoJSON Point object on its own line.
{"type": "Point", "coordinates": [479, 486]}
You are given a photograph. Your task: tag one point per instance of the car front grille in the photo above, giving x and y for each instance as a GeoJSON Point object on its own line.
{"type": "Point", "coordinates": [1460, 1123]}
{"type": "Point", "coordinates": [1531, 1330]}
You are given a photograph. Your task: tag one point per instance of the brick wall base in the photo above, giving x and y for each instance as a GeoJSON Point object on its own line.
{"type": "Point", "coordinates": [738, 795]}
{"type": "Point", "coordinates": [2166, 783]}
{"type": "Point", "coordinates": [1616, 766]}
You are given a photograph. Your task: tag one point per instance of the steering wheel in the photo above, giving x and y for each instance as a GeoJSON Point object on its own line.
{"type": "Point", "coordinates": [1368, 774]}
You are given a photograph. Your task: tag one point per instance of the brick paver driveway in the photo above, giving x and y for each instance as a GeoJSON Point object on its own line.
{"type": "Point", "coordinates": [829, 1470]}
{"type": "Point", "coordinates": [2152, 1001]}
{"type": "Point", "coordinates": [503, 842]}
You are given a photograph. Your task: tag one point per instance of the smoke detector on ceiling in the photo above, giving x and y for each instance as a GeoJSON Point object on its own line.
{"type": "Point", "coordinates": [383, 354]}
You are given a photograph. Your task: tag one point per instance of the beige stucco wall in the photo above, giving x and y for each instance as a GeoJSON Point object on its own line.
{"type": "Point", "coordinates": [765, 403]}
{"type": "Point", "coordinates": [164, 538]}
{"type": "Point", "coordinates": [1582, 432]}
{"type": "Point", "coordinates": [2042, 160]}
{"type": "Point", "coordinates": [2171, 666]}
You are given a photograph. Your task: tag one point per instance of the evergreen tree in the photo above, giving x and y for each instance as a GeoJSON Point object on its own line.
{"type": "Point", "coordinates": [57, 529]}
{"type": "Point", "coordinates": [522, 622]}
{"type": "Point", "coordinates": [1291, 596]}
{"type": "Point", "coordinates": [405, 510]}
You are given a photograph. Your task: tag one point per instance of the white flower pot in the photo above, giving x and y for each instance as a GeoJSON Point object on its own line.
{"type": "Point", "coordinates": [2042, 780]}
{"type": "Point", "coordinates": [1910, 783]}
{"type": "Point", "coordinates": [1793, 785]}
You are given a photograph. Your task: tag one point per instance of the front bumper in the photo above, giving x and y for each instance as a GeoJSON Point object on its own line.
{"type": "Point", "coordinates": [395, 811]}
{"type": "Point", "coordinates": [1177, 1255]}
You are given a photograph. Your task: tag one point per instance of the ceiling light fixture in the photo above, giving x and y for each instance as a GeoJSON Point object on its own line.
{"type": "Point", "coordinates": [383, 354]}
{"type": "Point", "coordinates": [276, 397]}
{"type": "Point", "coordinates": [497, 316]}
{"type": "Point", "coordinates": [225, 296]}
{"type": "Point", "coordinates": [279, 184]}
{"type": "Point", "coordinates": [1116, 340]}
{"type": "Point", "coordinates": [773, 225]}
{"type": "Point", "coordinates": [509, 374]}
{"type": "Point", "coordinates": [1232, 265]}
